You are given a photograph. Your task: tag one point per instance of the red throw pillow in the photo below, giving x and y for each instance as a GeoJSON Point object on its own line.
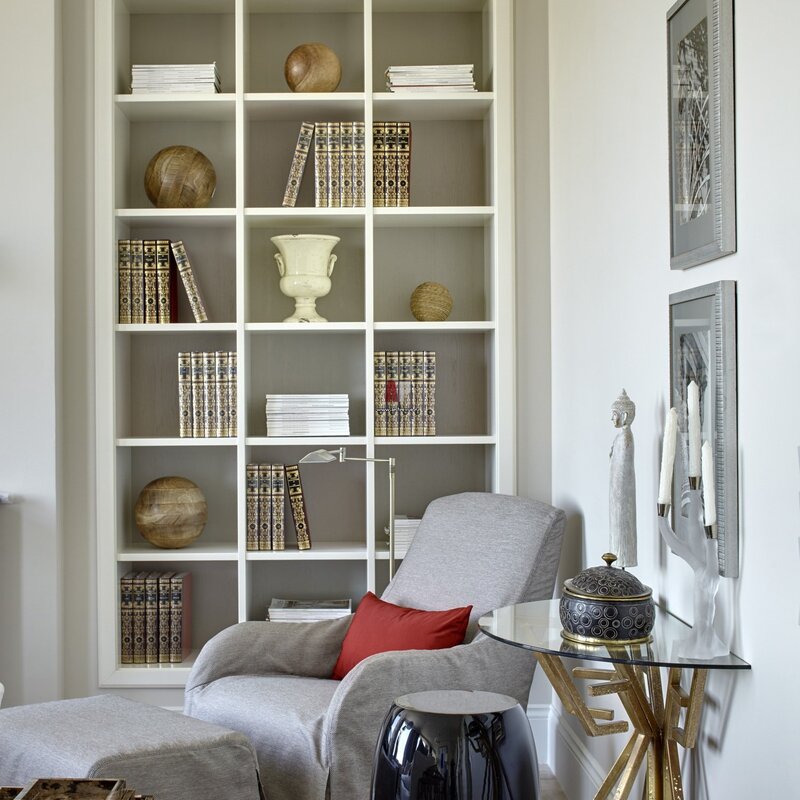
{"type": "Point", "coordinates": [379, 626]}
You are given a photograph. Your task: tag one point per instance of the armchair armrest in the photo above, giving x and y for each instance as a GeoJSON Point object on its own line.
{"type": "Point", "coordinates": [367, 692]}
{"type": "Point", "coordinates": [308, 649]}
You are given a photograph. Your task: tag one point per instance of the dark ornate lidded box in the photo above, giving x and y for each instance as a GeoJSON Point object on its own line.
{"type": "Point", "coordinates": [606, 605]}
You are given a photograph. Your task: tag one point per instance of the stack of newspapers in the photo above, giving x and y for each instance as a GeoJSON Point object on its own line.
{"type": "Point", "coordinates": [281, 610]}
{"type": "Point", "coordinates": [431, 78]}
{"type": "Point", "coordinates": [155, 78]}
{"type": "Point", "coordinates": [308, 415]}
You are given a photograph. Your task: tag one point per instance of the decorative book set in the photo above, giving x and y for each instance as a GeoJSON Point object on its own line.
{"type": "Point", "coordinates": [340, 164]}
{"type": "Point", "coordinates": [267, 488]}
{"type": "Point", "coordinates": [207, 394]}
{"type": "Point", "coordinates": [155, 617]}
{"type": "Point", "coordinates": [405, 393]}
{"type": "Point", "coordinates": [147, 272]}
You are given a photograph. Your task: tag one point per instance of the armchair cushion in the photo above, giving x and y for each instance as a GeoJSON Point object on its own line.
{"type": "Point", "coordinates": [378, 627]}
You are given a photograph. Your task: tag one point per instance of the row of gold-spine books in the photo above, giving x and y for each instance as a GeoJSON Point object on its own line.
{"type": "Point", "coordinates": [207, 394]}
{"type": "Point", "coordinates": [155, 617]}
{"type": "Point", "coordinates": [405, 393]}
{"type": "Point", "coordinates": [267, 488]}
{"type": "Point", "coordinates": [147, 283]}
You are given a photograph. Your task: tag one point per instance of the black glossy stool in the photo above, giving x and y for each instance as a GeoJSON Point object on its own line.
{"type": "Point", "coordinates": [455, 745]}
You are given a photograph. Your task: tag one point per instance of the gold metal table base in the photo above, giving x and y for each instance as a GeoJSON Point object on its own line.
{"type": "Point", "coordinates": [654, 716]}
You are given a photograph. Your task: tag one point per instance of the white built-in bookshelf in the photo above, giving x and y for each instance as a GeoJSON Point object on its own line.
{"type": "Point", "coordinates": [458, 231]}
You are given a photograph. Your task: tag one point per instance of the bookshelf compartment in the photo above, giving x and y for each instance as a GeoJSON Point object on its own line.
{"type": "Point", "coordinates": [211, 249]}
{"type": "Point", "coordinates": [431, 37]}
{"type": "Point", "coordinates": [272, 34]}
{"type": "Point", "coordinates": [147, 379]}
{"type": "Point", "coordinates": [455, 257]}
{"type": "Point", "coordinates": [145, 37]}
{"type": "Point", "coordinates": [295, 580]}
{"type": "Point", "coordinates": [213, 469]}
{"type": "Point", "coordinates": [314, 363]}
{"type": "Point", "coordinates": [345, 301]}
{"type": "Point", "coordinates": [463, 366]}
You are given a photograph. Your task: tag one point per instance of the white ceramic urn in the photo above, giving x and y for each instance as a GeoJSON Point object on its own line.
{"type": "Point", "coordinates": [305, 263]}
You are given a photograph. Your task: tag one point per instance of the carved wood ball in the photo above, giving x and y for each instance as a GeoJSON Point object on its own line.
{"type": "Point", "coordinates": [180, 177]}
{"type": "Point", "coordinates": [171, 512]}
{"type": "Point", "coordinates": [312, 67]}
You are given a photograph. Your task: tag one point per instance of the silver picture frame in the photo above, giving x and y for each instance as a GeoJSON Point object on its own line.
{"type": "Point", "coordinates": [702, 156]}
{"type": "Point", "coordinates": [702, 336]}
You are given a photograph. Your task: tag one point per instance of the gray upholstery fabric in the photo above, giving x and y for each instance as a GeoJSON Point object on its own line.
{"type": "Point", "coordinates": [156, 751]}
{"type": "Point", "coordinates": [481, 549]}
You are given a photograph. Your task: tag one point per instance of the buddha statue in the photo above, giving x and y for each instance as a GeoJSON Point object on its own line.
{"type": "Point", "coordinates": [622, 484]}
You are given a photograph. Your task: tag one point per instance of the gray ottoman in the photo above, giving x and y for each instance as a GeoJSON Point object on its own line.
{"type": "Point", "coordinates": [156, 751]}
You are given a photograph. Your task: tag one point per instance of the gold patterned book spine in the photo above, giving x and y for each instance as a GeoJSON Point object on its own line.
{"type": "Point", "coordinates": [417, 393]}
{"type": "Point", "coordinates": [298, 165]}
{"type": "Point", "coordinates": [137, 281]}
{"type": "Point", "coordinates": [294, 489]}
{"type": "Point", "coordinates": [264, 506]}
{"type": "Point", "coordinates": [164, 282]}
{"type": "Point", "coordinates": [430, 393]}
{"type": "Point", "coordinates": [392, 397]}
{"type": "Point", "coordinates": [150, 282]}
{"type": "Point", "coordinates": [321, 164]}
{"type": "Point", "coordinates": [189, 282]}
{"type": "Point", "coordinates": [124, 280]}
{"type": "Point", "coordinates": [139, 624]}
{"type": "Point", "coordinates": [379, 392]}
{"type": "Point", "coordinates": [209, 395]}
{"type": "Point", "coordinates": [180, 612]}
{"type": "Point", "coordinates": [221, 392]}
{"type": "Point", "coordinates": [378, 164]}
{"type": "Point", "coordinates": [198, 416]}
{"type": "Point", "coordinates": [233, 409]}
{"type": "Point", "coordinates": [151, 618]}
{"type": "Point", "coordinates": [359, 165]}
{"type": "Point", "coordinates": [390, 165]}
{"type": "Point", "coordinates": [185, 417]}
{"type": "Point", "coordinates": [251, 496]}
{"type": "Point", "coordinates": [126, 618]}
{"type": "Point", "coordinates": [405, 413]}
{"type": "Point", "coordinates": [403, 164]}
{"type": "Point", "coordinates": [334, 165]}
{"type": "Point", "coordinates": [164, 596]}
{"type": "Point", "coordinates": [346, 176]}
{"type": "Point", "coordinates": [277, 500]}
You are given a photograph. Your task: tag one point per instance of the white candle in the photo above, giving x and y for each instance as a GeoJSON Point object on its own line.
{"type": "Point", "coordinates": [693, 403]}
{"type": "Point", "coordinates": [668, 458]}
{"type": "Point", "coordinates": [709, 495]}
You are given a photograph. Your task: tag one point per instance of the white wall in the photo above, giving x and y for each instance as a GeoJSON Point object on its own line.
{"type": "Point", "coordinates": [610, 286]}
{"type": "Point", "coordinates": [30, 540]}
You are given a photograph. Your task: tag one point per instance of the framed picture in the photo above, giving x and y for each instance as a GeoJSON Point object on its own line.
{"type": "Point", "coordinates": [701, 132]}
{"type": "Point", "coordinates": [702, 334]}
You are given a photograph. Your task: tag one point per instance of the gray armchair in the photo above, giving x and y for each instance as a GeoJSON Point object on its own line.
{"type": "Point", "coordinates": [315, 735]}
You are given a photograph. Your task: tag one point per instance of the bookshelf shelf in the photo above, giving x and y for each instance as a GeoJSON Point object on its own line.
{"type": "Point", "coordinates": [458, 231]}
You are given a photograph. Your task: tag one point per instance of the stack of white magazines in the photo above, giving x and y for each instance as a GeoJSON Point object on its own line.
{"type": "Point", "coordinates": [155, 78]}
{"type": "Point", "coordinates": [404, 532]}
{"type": "Point", "coordinates": [307, 610]}
{"type": "Point", "coordinates": [431, 78]}
{"type": "Point", "coordinates": [308, 415]}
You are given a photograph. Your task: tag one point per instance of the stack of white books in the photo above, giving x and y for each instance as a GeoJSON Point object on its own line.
{"type": "Point", "coordinates": [281, 610]}
{"type": "Point", "coordinates": [431, 78]}
{"type": "Point", "coordinates": [404, 531]}
{"type": "Point", "coordinates": [155, 78]}
{"type": "Point", "coordinates": [308, 415]}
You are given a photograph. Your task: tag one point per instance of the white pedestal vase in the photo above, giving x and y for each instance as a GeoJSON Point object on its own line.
{"type": "Point", "coordinates": [305, 264]}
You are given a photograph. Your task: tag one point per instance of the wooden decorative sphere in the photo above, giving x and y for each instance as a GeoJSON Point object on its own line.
{"type": "Point", "coordinates": [180, 177]}
{"type": "Point", "coordinates": [171, 512]}
{"type": "Point", "coordinates": [312, 68]}
{"type": "Point", "coordinates": [431, 302]}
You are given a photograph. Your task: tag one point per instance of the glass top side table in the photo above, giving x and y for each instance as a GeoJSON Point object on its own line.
{"type": "Point", "coordinates": [635, 676]}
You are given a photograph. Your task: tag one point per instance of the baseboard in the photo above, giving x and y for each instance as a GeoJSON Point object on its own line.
{"type": "Point", "coordinates": [576, 769]}
{"type": "Point", "coordinates": [539, 719]}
